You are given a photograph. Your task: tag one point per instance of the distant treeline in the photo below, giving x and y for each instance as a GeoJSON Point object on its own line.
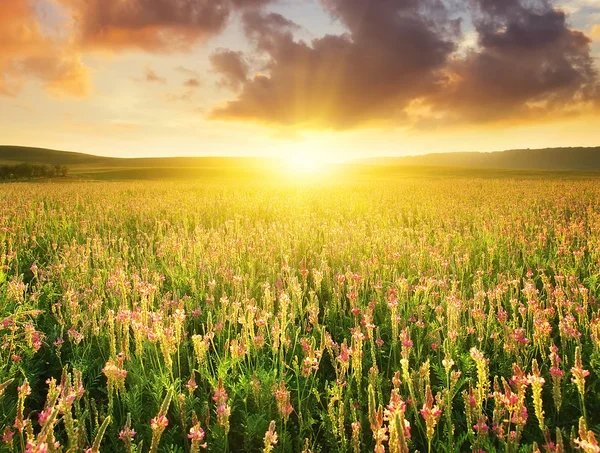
{"type": "Point", "coordinates": [30, 171]}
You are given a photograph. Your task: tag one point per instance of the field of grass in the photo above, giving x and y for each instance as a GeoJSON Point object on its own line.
{"type": "Point", "coordinates": [431, 314]}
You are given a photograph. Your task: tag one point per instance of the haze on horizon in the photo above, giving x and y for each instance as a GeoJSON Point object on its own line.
{"type": "Point", "coordinates": [340, 78]}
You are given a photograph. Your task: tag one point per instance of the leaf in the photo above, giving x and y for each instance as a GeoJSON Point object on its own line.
{"type": "Point", "coordinates": [98, 439]}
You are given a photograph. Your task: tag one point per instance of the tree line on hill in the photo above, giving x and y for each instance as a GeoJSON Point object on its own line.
{"type": "Point", "coordinates": [30, 171]}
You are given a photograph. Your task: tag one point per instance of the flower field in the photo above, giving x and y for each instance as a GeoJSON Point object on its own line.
{"type": "Point", "coordinates": [438, 315]}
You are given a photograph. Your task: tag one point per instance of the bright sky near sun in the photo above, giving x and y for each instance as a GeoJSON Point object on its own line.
{"type": "Point", "coordinates": [333, 78]}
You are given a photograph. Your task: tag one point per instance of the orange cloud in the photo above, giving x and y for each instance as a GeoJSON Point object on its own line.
{"type": "Point", "coordinates": [595, 33]}
{"type": "Point", "coordinates": [27, 53]}
{"type": "Point", "coordinates": [150, 25]}
{"type": "Point", "coordinates": [61, 74]}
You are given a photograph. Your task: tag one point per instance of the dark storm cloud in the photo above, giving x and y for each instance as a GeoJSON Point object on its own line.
{"type": "Point", "coordinates": [393, 53]}
{"type": "Point", "coordinates": [529, 62]}
{"type": "Point", "coordinates": [400, 56]}
{"type": "Point", "coordinates": [153, 25]}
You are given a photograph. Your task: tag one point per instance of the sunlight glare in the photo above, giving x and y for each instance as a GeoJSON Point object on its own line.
{"type": "Point", "coordinates": [305, 163]}
{"type": "Point", "coordinates": [305, 160]}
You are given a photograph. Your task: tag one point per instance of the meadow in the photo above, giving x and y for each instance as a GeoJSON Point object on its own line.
{"type": "Point", "coordinates": [421, 314]}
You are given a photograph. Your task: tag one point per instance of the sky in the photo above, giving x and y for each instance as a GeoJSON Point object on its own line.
{"type": "Point", "coordinates": [338, 79]}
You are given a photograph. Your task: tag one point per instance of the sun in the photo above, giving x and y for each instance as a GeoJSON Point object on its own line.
{"type": "Point", "coordinates": [305, 163]}
{"type": "Point", "coordinates": [307, 160]}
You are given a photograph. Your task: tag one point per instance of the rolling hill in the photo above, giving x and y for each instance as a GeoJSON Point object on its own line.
{"type": "Point", "coordinates": [18, 154]}
{"type": "Point", "coordinates": [554, 159]}
{"type": "Point", "coordinates": [517, 162]}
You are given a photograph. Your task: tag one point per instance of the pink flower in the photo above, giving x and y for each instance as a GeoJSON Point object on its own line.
{"type": "Point", "coordinates": [191, 385]}
{"type": "Point", "coordinates": [43, 416]}
{"type": "Point", "coordinates": [196, 433]}
{"type": "Point", "coordinates": [127, 434]}
{"type": "Point", "coordinates": [8, 435]}
{"type": "Point", "coordinates": [197, 436]}
{"type": "Point", "coordinates": [160, 422]}
{"type": "Point", "coordinates": [33, 447]}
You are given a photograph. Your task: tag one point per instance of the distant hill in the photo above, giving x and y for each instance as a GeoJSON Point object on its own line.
{"type": "Point", "coordinates": [556, 159]}
{"type": "Point", "coordinates": [553, 159]}
{"type": "Point", "coordinates": [19, 154]}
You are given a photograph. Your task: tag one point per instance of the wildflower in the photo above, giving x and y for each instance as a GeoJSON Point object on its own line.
{"type": "Point", "coordinates": [557, 376]}
{"type": "Point", "coordinates": [356, 436]}
{"type": "Point", "coordinates": [191, 384]}
{"type": "Point", "coordinates": [160, 423]}
{"type": "Point", "coordinates": [44, 415]}
{"type": "Point", "coordinates": [481, 428]}
{"type": "Point", "coordinates": [34, 447]}
{"type": "Point", "coordinates": [282, 396]}
{"type": "Point", "coordinates": [237, 349]}
{"type": "Point", "coordinates": [201, 345]}
{"type": "Point", "coordinates": [379, 431]}
{"type": "Point", "coordinates": [115, 375]}
{"type": "Point", "coordinates": [587, 440]}
{"type": "Point", "coordinates": [196, 435]}
{"type": "Point", "coordinates": [447, 363]}
{"type": "Point", "coordinates": [309, 365]}
{"type": "Point", "coordinates": [7, 435]}
{"type": "Point", "coordinates": [430, 413]}
{"type": "Point", "coordinates": [399, 427]}
{"type": "Point", "coordinates": [482, 376]}
{"type": "Point", "coordinates": [537, 383]}
{"type": "Point", "coordinates": [220, 397]}
{"type": "Point", "coordinates": [127, 434]}
{"type": "Point", "coordinates": [406, 342]}
{"type": "Point", "coordinates": [33, 337]}
{"type": "Point", "coordinates": [344, 355]}
{"type": "Point", "coordinates": [75, 336]}
{"type": "Point", "coordinates": [270, 438]}
{"type": "Point", "coordinates": [579, 373]}
{"type": "Point", "coordinates": [259, 341]}
{"type": "Point", "coordinates": [24, 391]}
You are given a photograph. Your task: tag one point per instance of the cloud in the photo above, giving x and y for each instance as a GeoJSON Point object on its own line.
{"type": "Point", "coordinates": [151, 76]}
{"type": "Point", "coordinates": [186, 96]}
{"type": "Point", "coordinates": [186, 71]}
{"type": "Point", "coordinates": [192, 83]}
{"type": "Point", "coordinates": [393, 52]}
{"type": "Point", "coordinates": [595, 33]}
{"type": "Point", "coordinates": [402, 63]}
{"type": "Point", "coordinates": [529, 63]}
{"type": "Point", "coordinates": [232, 67]}
{"type": "Point", "coordinates": [151, 25]}
{"type": "Point", "coordinates": [60, 75]}
{"type": "Point", "coordinates": [27, 53]}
